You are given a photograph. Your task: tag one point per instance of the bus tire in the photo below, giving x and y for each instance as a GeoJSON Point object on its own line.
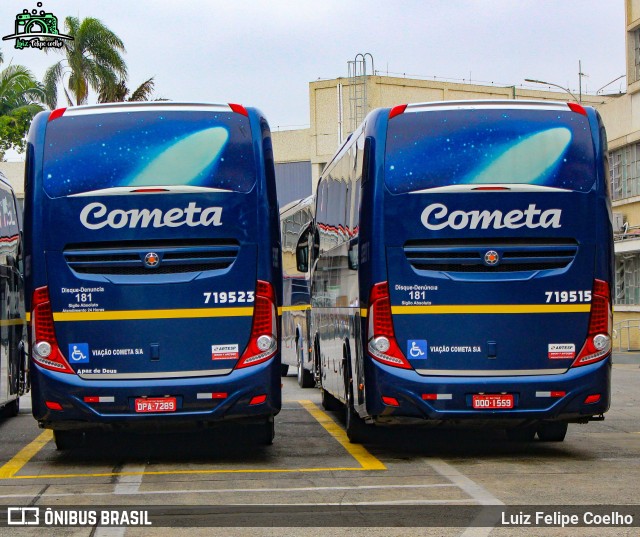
{"type": "Point", "coordinates": [267, 431]}
{"type": "Point", "coordinates": [357, 429]}
{"type": "Point", "coordinates": [329, 402]}
{"type": "Point", "coordinates": [554, 431]}
{"type": "Point", "coordinates": [305, 378]}
{"type": "Point", "coordinates": [284, 370]}
{"type": "Point", "coordinates": [11, 409]}
{"type": "Point", "coordinates": [68, 439]}
{"type": "Point", "coordinates": [521, 434]}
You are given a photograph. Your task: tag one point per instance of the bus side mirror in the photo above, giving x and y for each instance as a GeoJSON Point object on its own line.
{"type": "Point", "coordinates": [302, 251]}
{"type": "Point", "coordinates": [352, 256]}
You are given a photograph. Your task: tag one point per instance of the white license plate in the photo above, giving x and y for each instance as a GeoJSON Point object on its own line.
{"type": "Point", "coordinates": [156, 404]}
{"type": "Point", "coordinates": [491, 402]}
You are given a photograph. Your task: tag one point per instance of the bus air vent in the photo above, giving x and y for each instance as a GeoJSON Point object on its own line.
{"type": "Point", "coordinates": [175, 257]}
{"type": "Point", "coordinates": [490, 255]}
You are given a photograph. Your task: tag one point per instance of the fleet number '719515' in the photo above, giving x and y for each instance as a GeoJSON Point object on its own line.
{"type": "Point", "coordinates": [568, 296]}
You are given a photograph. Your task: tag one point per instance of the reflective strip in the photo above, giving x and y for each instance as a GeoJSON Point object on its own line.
{"type": "Point", "coordinates": [162, 375]}
{"type": "Point", "coordinates": [488, 372]}
{"type": "Point", "coordinates": [304, 307]}
{"type": "Point", "coordinates": [492, 309]}
{"type": "Point", "coordinates": [128, 315]}
{"type": "Point", "coordinates": [12, 322]}
{"type": "Point", "coordinates": [363, 312]}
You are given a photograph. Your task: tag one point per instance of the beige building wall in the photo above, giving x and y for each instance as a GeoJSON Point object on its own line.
{"type": "Point", "coordinates": [331, 123]}
{"type": "Point", "coordinates": [14, 172]}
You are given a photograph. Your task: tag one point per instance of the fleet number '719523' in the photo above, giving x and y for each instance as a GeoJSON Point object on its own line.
{"type": "Point", "coordinates": [229, 297]}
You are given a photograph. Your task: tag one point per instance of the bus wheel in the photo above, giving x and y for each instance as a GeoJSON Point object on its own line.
{"type": "Point", "coordinates": [329, 402]}
{"type": "Point", "coordinates": [267, 431]}
{"type": "Point", "coordinates": [68, 439]}
{"type": "Point", "coordinates": [521, 434]}
{"type": "Point", "coordinates": [305, 378]}
{"type": "Point", "coordinates": [357, 429]}
{"type": "Point", "coordinates": [11, 409]}
{"type": "Point", "coordinates": [554, 431]}
{"type": "Point", "coordinates": [284, 370]}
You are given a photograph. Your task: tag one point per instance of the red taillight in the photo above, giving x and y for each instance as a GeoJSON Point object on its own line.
{"type": "Point", "coordinates": [239, 109]}
{"type": "Point", "coordinates": [397, 110]}
{"type": "Point", "coordinates": [390, 401]}
{"type": "Point", "coordinates": [575, 107]}
{"type": "Point", "coordinates": [258, 399]}
{"type": "Point", "coordinates": [58, 112]}
{"type": "Point", "coordinates": [598, 343]}
{"type": "Point", "coordinates": [53, 405]}
{"type": "Point", "coordinates": [382, 340]}
{"type": "Point", "coordinates": [44, 345]}
{"type": "Point", "coordinates": [593, 398]}
{"type": "Point", "coordinates": [263, 341]}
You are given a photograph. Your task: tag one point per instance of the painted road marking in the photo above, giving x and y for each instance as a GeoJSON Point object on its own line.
{"type": "Point", "coordinates": [480, 527]}
{"type": "Point", "coordinates": [11, 468]}
{"type": "Point", "coordinates": [359, 453]}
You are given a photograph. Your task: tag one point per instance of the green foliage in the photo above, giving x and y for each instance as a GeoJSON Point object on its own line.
{"type": "Point", "coordinates": [20, 95]}
{"type": "Point", "coordinates": [92, 61]}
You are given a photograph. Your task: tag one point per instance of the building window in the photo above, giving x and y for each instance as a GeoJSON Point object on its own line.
{"type": "Point", "coordinates": [627, 279]}
{"type": "Point", "coordinates": [624, 170]}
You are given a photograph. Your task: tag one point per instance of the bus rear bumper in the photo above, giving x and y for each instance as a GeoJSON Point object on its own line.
{"type": "Point", "coordinates": [63, 402]}
{"type": "Point", "coordinates": [578, 395]}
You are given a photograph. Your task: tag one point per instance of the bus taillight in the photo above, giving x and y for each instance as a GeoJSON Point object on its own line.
{"type": "Point", "coordinates": [382, 339]}
{"type": "Point", "coordinates": [44, 343]}
{"type": "Point", "coordinates": [598, 343]}
{"type": "Point", "coordinates": [263, 342]}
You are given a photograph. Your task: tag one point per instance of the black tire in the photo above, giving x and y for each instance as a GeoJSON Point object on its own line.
{"type": "Point", "coordinates": [305, 377]}
{"type": "Point", "coordinates": [267, 432]}
{"type": "Point", "coordinates": [554, 431]}
{"type": "Point", "coordinates": [284, 370]}
{"type": "Point", "coordinates": [357, 430]}
{"type": "Point", "coordinates": [521, 434]}
{"type": "Point", "coordinates": [11, 409]}
{"type": "Point", "coordinates": [329, 402]}
{"type": "Point", "coordinates": [68, 439]}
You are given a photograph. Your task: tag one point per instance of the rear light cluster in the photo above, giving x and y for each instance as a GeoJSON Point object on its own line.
{"type": "Point", "coordinates": [598, 343]}
{"type": "Point", "coordinates": [44, 344]}
{"type": "Point", "coordinates": [263, 342]}
{"type": "Point", "coordinates": [382, 340]}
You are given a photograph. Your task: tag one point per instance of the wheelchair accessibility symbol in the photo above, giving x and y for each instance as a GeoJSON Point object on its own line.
{"type": "Point", "coordinates": [417, 349]}
{"type": "Point", "coordinates": [79, 353]}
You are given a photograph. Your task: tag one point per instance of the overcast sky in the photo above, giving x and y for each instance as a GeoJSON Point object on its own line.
{"type": "Point", "coordinates": [264, 53]}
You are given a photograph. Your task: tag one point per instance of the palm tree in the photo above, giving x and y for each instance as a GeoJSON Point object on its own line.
{"type": "Point", "coordinates": [92, 61]}
{"type": "Point", "coordinates": [20, 98]}
{"type": "Point", "coordinates": [120, 92]}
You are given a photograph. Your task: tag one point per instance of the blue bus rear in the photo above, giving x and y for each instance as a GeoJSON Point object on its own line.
{"type": "Point", "coordinates": [486, 268]}
{"type": "Point", "coordinates": [152, 267]}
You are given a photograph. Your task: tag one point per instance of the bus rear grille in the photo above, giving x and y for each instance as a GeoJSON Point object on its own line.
{"type": "Point", "coordinates": [173, 257]}
{"type": "Point", "coordinates": [513, 255]}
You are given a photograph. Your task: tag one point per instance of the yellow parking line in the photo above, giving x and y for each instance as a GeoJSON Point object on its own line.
{"type": "Point", "coordinates": [358, 452]}
{"type": "Point", "coordinates": [11, 468]}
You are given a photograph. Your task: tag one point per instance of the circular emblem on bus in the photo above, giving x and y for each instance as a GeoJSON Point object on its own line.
{"type": "Point", "coordinates": [151, 260]}
{"type": "Point", "coordinates": [491, 258]}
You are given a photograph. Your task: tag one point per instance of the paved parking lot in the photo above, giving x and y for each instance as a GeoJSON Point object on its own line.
{"type": "Point", "coordinates": [313, 471]}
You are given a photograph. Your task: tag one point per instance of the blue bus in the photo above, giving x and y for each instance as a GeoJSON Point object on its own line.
{"type": "Point", "coordinates": [13, 365]}
{"type": "Point", "coordinates": [462, 266]}
{"type": "Point", "coordinates": [153, 271]}
{"type": "Point", "coordinates": [295, 219]}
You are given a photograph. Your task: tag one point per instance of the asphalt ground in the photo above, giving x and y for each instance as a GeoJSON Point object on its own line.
{"type": "Point", "coordinates": [313, 482]}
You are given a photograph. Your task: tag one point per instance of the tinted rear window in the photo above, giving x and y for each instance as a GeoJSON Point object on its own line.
{"type": "Point", "coordinates": [148, 148]}
{"type": "Point", "coordinates": [488, 146]}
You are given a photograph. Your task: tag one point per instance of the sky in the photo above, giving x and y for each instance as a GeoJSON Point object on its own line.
{"type": "Point", "coordinates": [264, 53]}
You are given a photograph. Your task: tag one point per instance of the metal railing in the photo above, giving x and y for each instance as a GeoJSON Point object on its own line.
{"type": "Point", "coordinates": [622, 332]}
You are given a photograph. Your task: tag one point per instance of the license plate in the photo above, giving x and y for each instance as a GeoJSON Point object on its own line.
{"type": "Point", "coordinates": [481, 402]}
{"type": "Point", "coordinates": [156, 404]}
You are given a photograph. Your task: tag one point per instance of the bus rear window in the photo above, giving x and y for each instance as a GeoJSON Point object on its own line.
{"type": "Point", "coordinates": [489, 146]}
{"type": "Point", "coordinates": [161, 148]}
